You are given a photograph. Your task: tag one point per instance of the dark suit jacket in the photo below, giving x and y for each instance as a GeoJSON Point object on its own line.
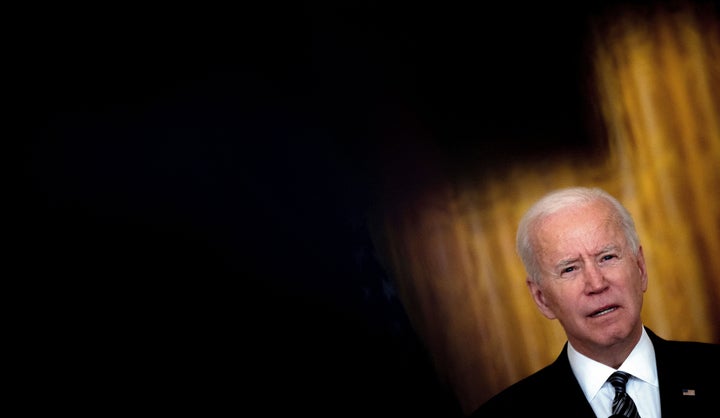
{"type": "Point", "coordinates": [554, 391]}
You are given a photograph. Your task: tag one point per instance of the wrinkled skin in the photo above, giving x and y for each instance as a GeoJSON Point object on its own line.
{"type": "Point", "coordinates": [591, 281]}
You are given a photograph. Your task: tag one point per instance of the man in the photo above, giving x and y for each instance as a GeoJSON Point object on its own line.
{"type": "Point", "coordinates": [586, 268]}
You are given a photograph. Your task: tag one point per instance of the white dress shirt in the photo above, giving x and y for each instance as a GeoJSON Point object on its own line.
{"type": "Point", "coordinates": [642, 387]}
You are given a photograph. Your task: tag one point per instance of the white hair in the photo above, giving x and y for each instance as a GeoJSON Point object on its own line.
{"type": "Point", "coordinates": [560, 199]}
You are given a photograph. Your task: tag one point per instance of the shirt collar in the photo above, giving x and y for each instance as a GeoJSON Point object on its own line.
{"type": "Point", "coordinates": [591, 375]}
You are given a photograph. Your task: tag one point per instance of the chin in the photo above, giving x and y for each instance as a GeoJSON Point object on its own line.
{"type": "Point", "coordinates": [616, 335]}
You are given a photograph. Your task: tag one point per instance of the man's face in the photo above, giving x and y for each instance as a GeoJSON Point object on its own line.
{"type": "Point", "coordinates": [590, 281]}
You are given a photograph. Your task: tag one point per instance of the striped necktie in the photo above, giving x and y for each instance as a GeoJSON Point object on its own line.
{"type": "Point", "coordinates": [623, 404]}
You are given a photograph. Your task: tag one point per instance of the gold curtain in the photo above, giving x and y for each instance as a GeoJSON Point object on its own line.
{"type": "Point", "coordinates": [657, 87]}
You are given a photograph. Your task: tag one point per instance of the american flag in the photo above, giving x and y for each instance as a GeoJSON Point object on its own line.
{"type": "Point", "coordinates": [688, 392]}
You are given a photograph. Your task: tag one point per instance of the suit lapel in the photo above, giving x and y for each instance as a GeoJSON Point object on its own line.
{"type": "Point", "coordinates": [575, 403]}
{"type": "Point", "coordinates": [678, 385]}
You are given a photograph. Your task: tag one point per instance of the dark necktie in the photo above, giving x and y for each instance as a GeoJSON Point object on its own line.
{"type": "Point", "coordinates": [623, 404]}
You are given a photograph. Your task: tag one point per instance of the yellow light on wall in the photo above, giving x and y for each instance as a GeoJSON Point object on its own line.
{"type": "Point", "coordinates": [657, 79]}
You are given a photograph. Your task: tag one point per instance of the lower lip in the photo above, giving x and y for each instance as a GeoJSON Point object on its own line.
{"type": "Point", "coordinates": [604, 313]}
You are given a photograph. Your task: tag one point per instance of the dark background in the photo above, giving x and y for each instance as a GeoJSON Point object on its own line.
{"type": "Point", "coordinates": [199, 186]}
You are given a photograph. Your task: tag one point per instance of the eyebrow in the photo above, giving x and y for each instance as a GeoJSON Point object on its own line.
{"type": "Point", "coordinates": [564, 263]}
{"type": "Point", "coordinates": [609, 248]}
{"type": "Point", "coordinates": [569, 261]}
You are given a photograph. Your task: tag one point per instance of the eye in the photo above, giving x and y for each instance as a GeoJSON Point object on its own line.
{"type": "Point", "coordinates": [607, 257]}
{"type": "Point", "coordinates": [568, 270]}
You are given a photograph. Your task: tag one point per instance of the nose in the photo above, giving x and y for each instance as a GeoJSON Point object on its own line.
{"type": "Point", "coordinates": [594, 279]}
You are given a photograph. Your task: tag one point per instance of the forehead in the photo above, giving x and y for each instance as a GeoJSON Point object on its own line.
{"type": "Point", "coordinates": [589, 225]}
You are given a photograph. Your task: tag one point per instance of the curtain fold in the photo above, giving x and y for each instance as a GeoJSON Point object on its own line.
{"type": "Point", "coordinates": [657, 87]}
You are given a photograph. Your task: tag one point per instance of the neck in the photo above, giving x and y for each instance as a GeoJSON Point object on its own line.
{"type": "Point", "coordinates": [613, 355]}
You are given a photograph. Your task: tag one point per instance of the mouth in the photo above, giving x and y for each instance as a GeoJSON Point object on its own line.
{"type": "Point", "coordinates": [603, 311]}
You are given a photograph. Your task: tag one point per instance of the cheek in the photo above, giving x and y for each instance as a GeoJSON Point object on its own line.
{"type": "Point", "coordinates": [636, 280]}
{"type": "Point", "coordinates": [562, 297]}
{"type": "Point", "coordinates": [569, 296]}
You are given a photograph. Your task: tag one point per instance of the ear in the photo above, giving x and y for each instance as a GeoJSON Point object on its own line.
{"type": "Point", "coordinates": [643, 270]}
{"type": "Point", "coordinates": [539, 297]}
